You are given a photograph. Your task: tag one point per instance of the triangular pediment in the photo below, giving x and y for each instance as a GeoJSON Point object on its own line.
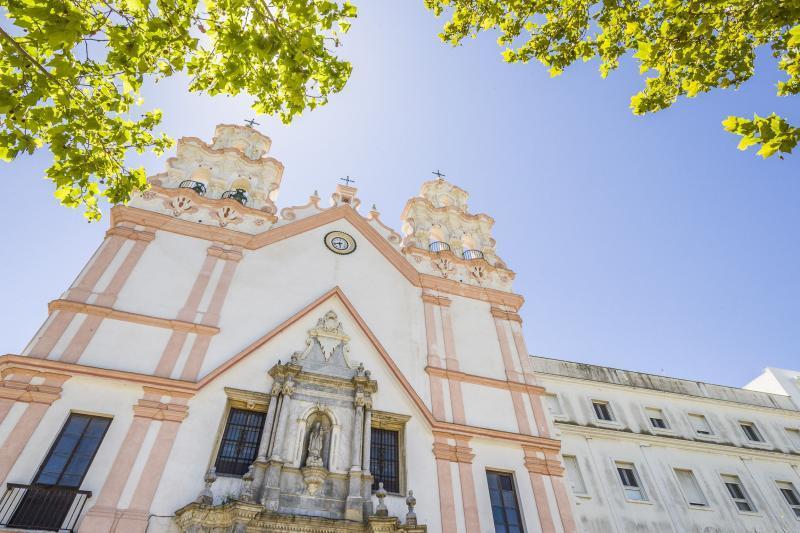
{"type": "Point", "coordinates": [324, 347]}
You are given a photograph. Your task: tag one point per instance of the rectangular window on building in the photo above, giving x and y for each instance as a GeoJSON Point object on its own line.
{"type": "Point", "coordinates": [387, 451]}
{"type": "Point", "coordinates": [656, 417]}
{"type": "Point", "coordinates": [700, 424]}
{"type": "Point", "coordinates": [505, 506]}
{"type": "Point", "coordinates": [791, 496]}
{"type": "Point", "coordinates": [46, 504]}
{"type": "Point", "coordinates": [602, 411]}
{"type": "Point", "coordinates": [691, 488]}
{"type": "Point", "coordinates": [574, 474]}
{"type": "Point", "coordinates": [384, 459]}
{"type": "Point", "coordinates": [631, 484]}
{"type": "Point", "coordinates": [794, 437]}
{"type": "Point", "coordinates": [553, 404]}
{"type": "Point", "coordinates": [70, 456]}
{"type": "Point", "coordinates": [751, 431]}
{"type": "Point", "coordinates": [240, 441]}
{"type": "Point", "coordinates": [738, 494]}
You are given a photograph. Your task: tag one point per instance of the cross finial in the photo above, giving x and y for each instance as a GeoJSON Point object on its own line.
{"type": "Point", "coordinates": [438, 174]}
{"type": "Point", "coordinates": [347, 181]}
{"type": "Point", "coordinates": [251, 122]}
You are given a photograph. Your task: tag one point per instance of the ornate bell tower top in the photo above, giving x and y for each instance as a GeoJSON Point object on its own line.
{"type": "Point", "coordinates": [445, 239]}
{"type": "Point", "coordinates": [245, 139]}
{"type": "Point", "coordinates": [234, 166]}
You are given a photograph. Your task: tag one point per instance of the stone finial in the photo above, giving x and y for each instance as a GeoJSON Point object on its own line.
{"type": "Point", "coordinates": [206, 497]}
{"type": "Point", "coordinates": [411, 516]}
{"type": "Point", "coordinates": [381, 510]}
{"type": "Point", "coordinates": [247, 487]}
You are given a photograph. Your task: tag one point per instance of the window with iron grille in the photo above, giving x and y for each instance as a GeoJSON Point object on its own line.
{"type": "Point", "coordinates": [505, 506]}
{"type": "Point", "coordinates": [240, 441]}
{"type": "Point", "coordinates": [384, 459]}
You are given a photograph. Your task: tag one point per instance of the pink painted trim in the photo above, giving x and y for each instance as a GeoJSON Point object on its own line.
{"type": "Point", "coordinates": [505, 351]}
{"type": "Point", "coordinates": [122, 274]}
{"type": "Point", "coordinates": [169, 356]}
{"type": "Point", "coordinates": [447, 506]}
{"type": "Point", "coordinates": [19, 437]}
{"type": "Point", "coordinates": [451, 358]}
{"type": "Point", "coordinates": [123, 463]}
{"type": "Point", "coordinates": [542, 506]}
{"type": "Point", "coordinates": [430, 335]}
{"type": "Point", "coordinates": [195, 360]}
{"type": "Point", "coordinates": [81, 339]}
{"type": "Point", "coordinates": [154, 467]}
{"type": "Point", "coordinates": [539, 417]}
{"type": "Point", "coordinates": [562, 502]}
{"type": "Point", "coordinates": [214, 311]}
{"type": "Point", "coordinates": [52, 334]}
{"type": "Point", "coordinates": [437, 394]}
{"type": "Point", "coordinates": [519, 410]}
{"type": "Point", "coordinates": [5, 407]}
{"type": "Point", "coordinates": [189, 309]}
{"type": "Point", "coordinates": [468, 497]}
{"type": "Point", "coordinates": [201, 343]}
{"type": "Point", "coordinates": [91, 324]}
{"type": "Point", "coordinates": [451, 361]}
{"type": "Point", "coordinates": [83, 289]}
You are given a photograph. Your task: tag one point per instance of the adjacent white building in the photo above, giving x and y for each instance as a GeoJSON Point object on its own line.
{"type": "Point", "coordinates": [653, 453]}
{"type": "Point", "coordinates": [223, 365]}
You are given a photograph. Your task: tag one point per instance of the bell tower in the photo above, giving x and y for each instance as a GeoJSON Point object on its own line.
{"type": "Point", "coordinates": [443, 238]}
{"type": "Point", "coordinates": [230, 182]}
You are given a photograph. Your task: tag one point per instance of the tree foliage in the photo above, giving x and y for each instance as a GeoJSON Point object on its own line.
{"type": "Point", "coordinates": [71, 72]}
{"type": "Point", "coordinates": [683, 47]}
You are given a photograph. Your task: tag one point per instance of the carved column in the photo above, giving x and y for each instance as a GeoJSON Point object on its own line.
{"type": "Point", "coordinates": [260, 470]}
{"type": "Point", "coordinates": [280, 446]}
{"type": "Point", "coordinates": [266, 436]}
{"type": "Point", "coordinates": [367, 437]}
{"type": "Point", "coordinates": [366, 475]}
{"type": "Point", "coordinates": [354, 507]}
{"type": "Point", "coordinates": [358, 431]}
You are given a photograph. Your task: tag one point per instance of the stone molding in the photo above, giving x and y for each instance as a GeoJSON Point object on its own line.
{"type": "Point", "coordinates": [252, 517]}
{"type": "Point", "coordinates": [16, 385]}
{"type": "Point", "coordinates": [460, 452]}
{"type": "Point", "coordinates": [136, 318]}
{"type": "Point", "coordinates": [154, 405]}
{"type": "Point", "coordinates": [224, 253]}
{"type": "Point", "coordinates": [546, 467]}
{"type": "Point", "coordinates": [436, 300]}
{"type": "Point", "coordinates": [131, 233]}
{"type": "Point", "coordinates": [505, 315]}
{"type": "Point", "coordinates": [456, 375]}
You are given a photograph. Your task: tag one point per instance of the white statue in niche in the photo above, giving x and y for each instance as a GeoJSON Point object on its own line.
{"type": "Point", "coordinates": [316, 441]}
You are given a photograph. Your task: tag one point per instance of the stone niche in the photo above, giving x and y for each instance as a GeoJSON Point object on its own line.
{"type": "Point", "coordinates": [312, 469]}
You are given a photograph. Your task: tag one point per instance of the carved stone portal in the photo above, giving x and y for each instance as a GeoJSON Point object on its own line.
{"type": "Point", "coordinates": [312, 470]}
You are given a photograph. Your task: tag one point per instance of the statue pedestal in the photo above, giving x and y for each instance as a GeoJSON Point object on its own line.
{"type": "Point", "coordinates": [314, 477]}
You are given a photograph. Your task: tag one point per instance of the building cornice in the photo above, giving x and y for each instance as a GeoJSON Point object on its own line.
{"type": "Point", "coordinates": [675, 442]}
{"type": "Point", "coordinates": [125, 316]}
{"type": "Point", "coordinates": [158, 221]}
{"type": "Point", "coordinates": [658, 392]}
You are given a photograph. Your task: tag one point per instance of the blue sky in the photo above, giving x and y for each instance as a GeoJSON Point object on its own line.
{"type": "Point", "coordinates": [645, 243]}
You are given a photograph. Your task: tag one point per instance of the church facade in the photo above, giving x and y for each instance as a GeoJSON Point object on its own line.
{"type": "Point", "coordinates": [220, 365]}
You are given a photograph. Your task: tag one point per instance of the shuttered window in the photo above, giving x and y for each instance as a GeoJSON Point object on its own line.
{"type": "Point", "coordinates": [691, 488]}
{"type": "Point", "coordinates": [574, 474]}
